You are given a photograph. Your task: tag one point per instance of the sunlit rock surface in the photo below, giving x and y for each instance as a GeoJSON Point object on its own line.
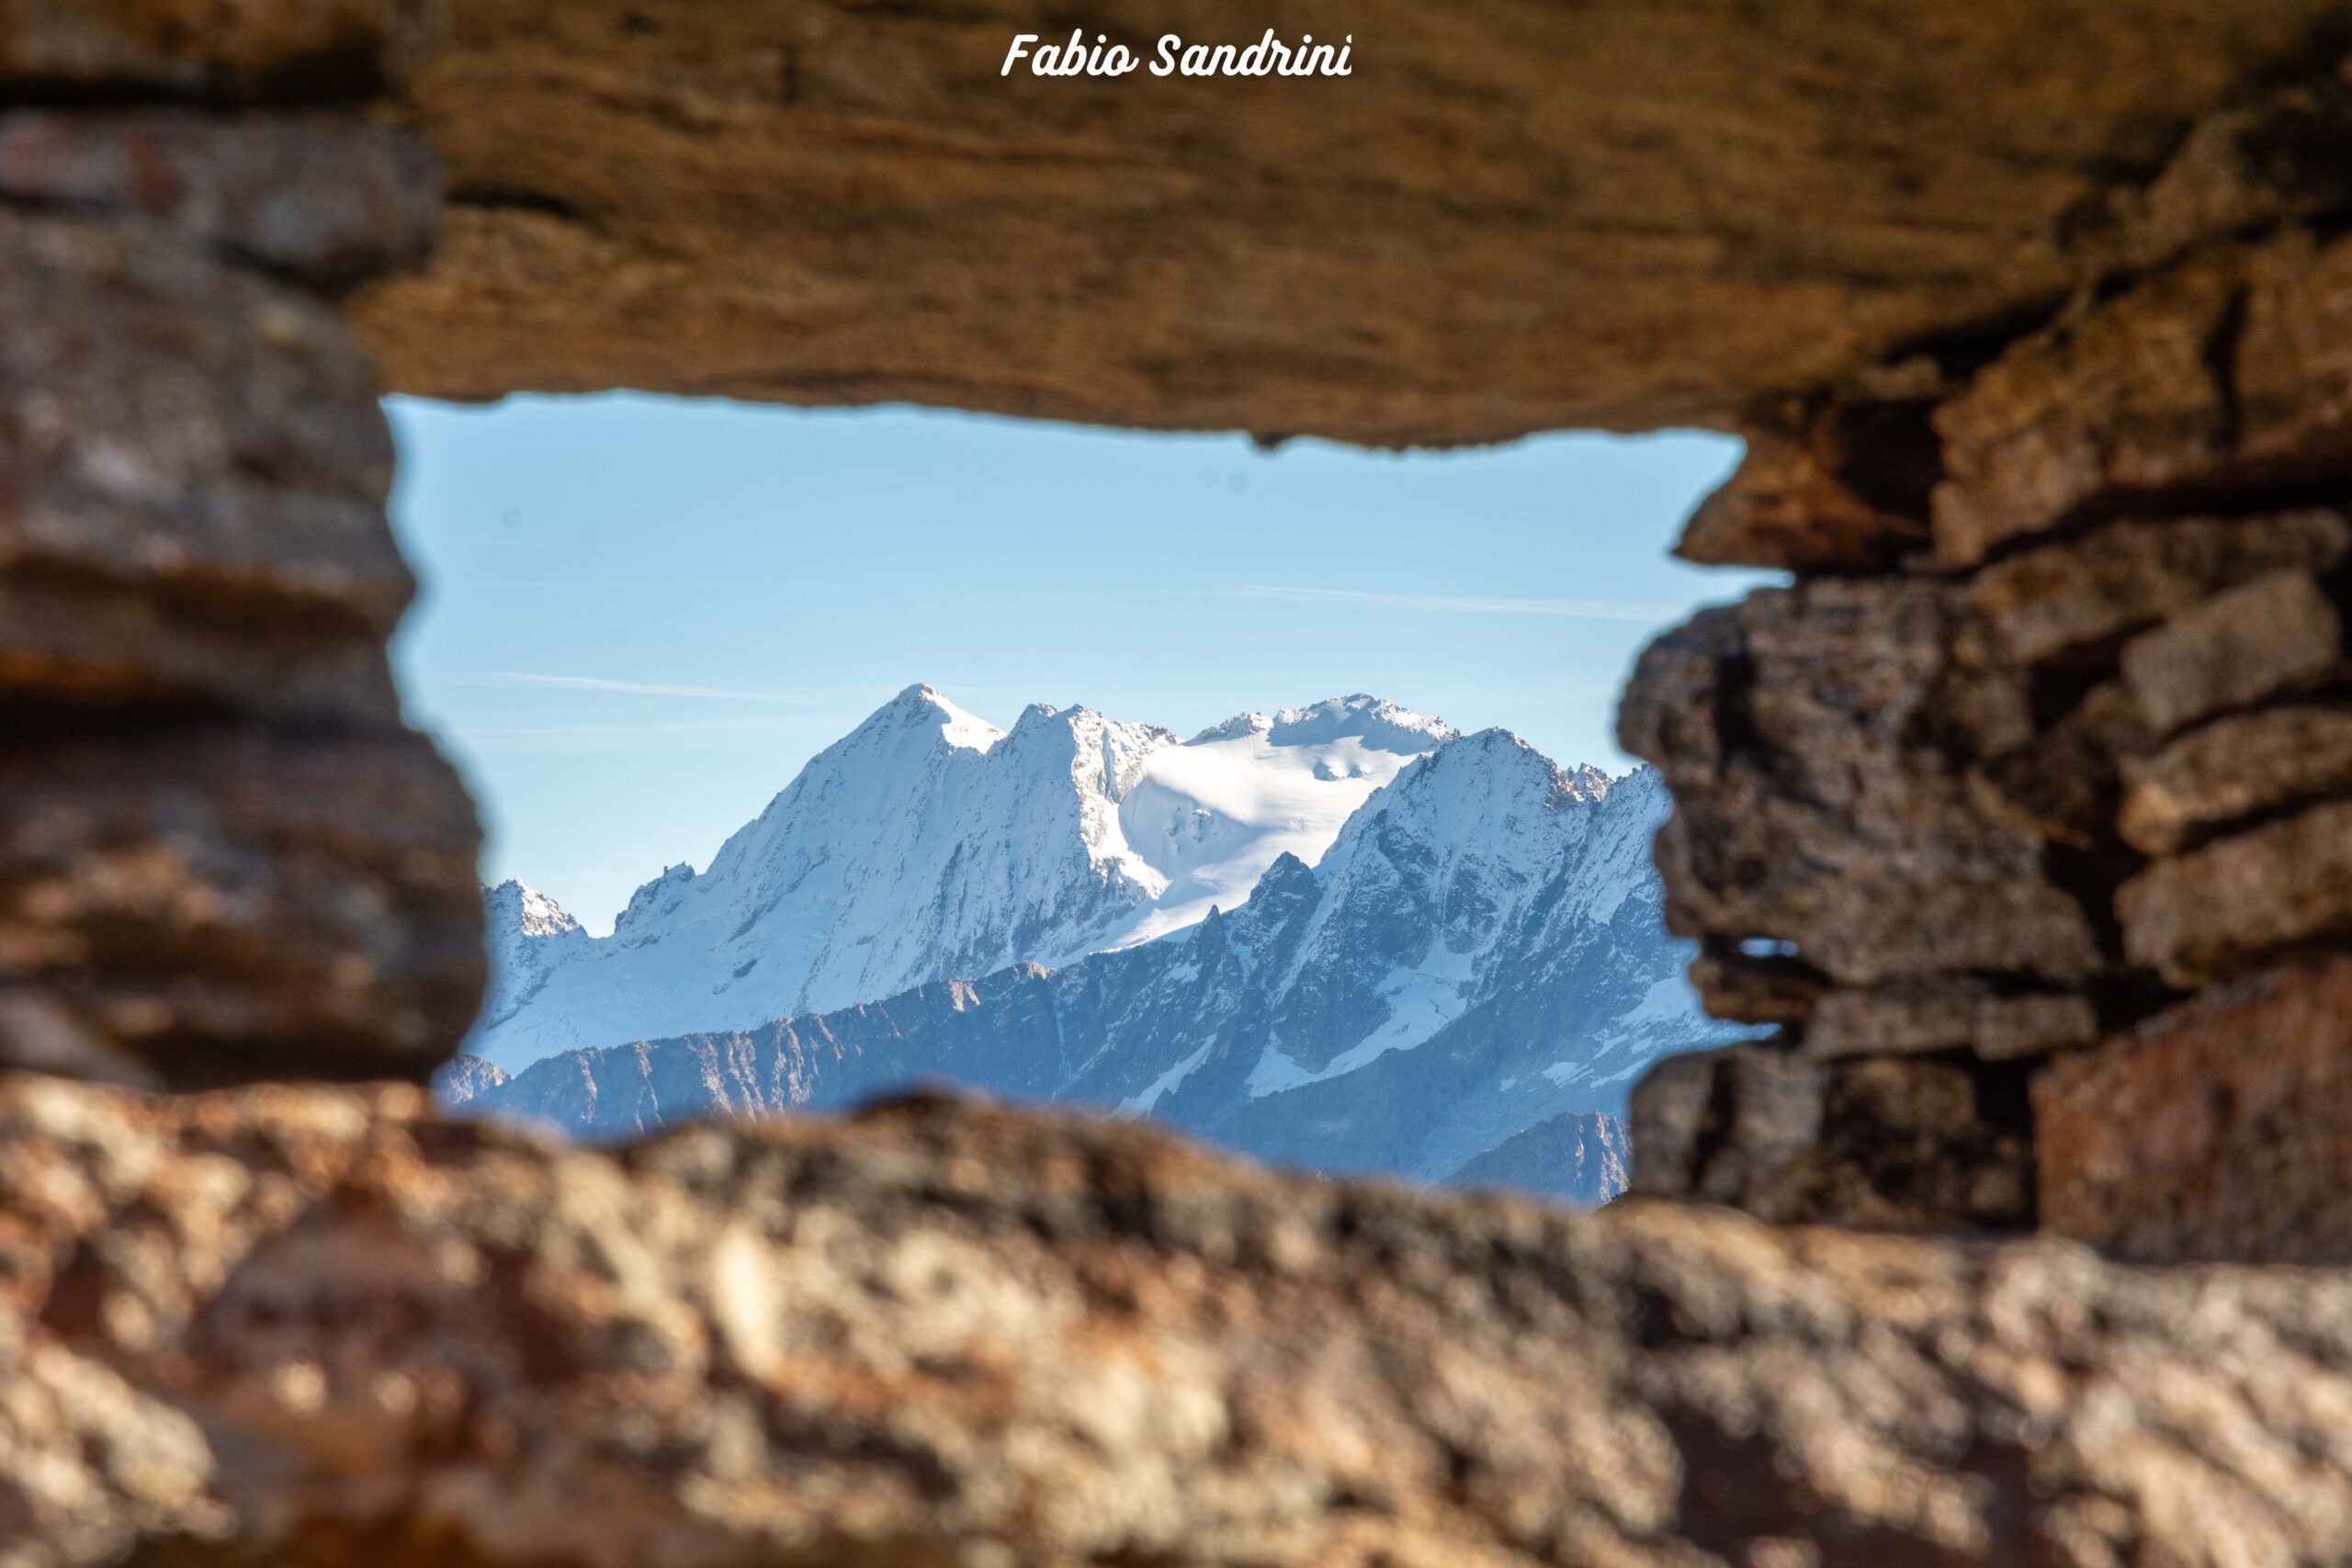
{"type": "Point", "coordinates": [319, 1325]}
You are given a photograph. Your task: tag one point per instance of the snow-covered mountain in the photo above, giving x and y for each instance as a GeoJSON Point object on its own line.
{"type": "Point", "coordinates": [927, 845]}
{"type": "Point", "coordinates": [530, 936]}
{"type": "Point", "coordinates": [1478, 954]}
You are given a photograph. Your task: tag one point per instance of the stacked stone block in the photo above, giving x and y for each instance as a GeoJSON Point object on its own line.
{"type": "Point", "coordinates": [223, 857]}
{"type": "Point", "coordinates": [2024, 814]}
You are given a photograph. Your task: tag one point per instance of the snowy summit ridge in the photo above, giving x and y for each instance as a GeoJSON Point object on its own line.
{"type": "Point", "coordinates": [929, 844]}
{"type": "Point", "coordinates": [1475, 959]}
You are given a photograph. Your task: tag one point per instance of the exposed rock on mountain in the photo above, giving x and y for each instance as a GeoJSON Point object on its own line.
{"type": "Point", "coordinates": [1479, 950]}
{"type": "Point", "coordinates": [1579, 1156]}
{"type": "Point", "coordinates": [929, 845]}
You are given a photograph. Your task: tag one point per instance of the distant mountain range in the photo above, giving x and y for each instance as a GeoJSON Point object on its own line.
{"type": "Point", "coordinates": [1341, 936]}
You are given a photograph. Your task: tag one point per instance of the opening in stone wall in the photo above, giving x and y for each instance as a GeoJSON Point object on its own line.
{"type": "Point", "coordinates": [2018, 817]}
{"type": "Point", "coordinates": [1269, 790]}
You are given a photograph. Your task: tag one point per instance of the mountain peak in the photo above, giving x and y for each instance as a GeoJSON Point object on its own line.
{"type": "Point", "coordinates": [516, 903]}
{"type": "Point", "coordinates": [1035, 714]}
{"type": "Point", "coordinates": [929, 844]}
{"type": "Point", "coordinates": [923, 704]}
{"type": "Point", "coordinates": [1377, 723]}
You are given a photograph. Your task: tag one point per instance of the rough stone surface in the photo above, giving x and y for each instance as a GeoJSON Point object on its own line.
{"type": "Point", "coordinates": [2072, 597]}
{"type": "Point", "coordinates": [250, 49]}
{"type": "Point", "coordinates": [223, 858]}
{"type": "Point", "coordinates": [68, 642]}
{"type": "Point", "coordinates": [1896, 1142]}
{"type": "Point", "coordinates": [1508, 218]}
{"type": "Point", "coordinates": [2235, 768]}
{"type": "Point", "coordinates": [2217, 909]}
{"type": "Point", "coordinates": [1749, 988]}
{"type": "Point", "coordinates": [314, 1325]}
{"type": "Point", "coordinates": [1841, 817]}
{"type": "Point", "coordinates": [2275, 634]}
{"type": "Point", "coordinates": [2233, 368]}
{"type": "Point", "coordinates": [2064, 782]}
{"type": "Point", "coordinates": [195, 903]}
{"type": "Point", "coordinates": [180, 427]}
{"type": "Point", "coordinates": [1791, 504]}
{"type": "Point", "coordinates": [1948, 1015]}
{"type": "Point", "coordinates": [327, 199]}
{"type": "Point", "coordinates": [2220, 1129]}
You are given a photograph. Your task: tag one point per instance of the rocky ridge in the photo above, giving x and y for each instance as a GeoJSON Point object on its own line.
{"type": "Point", "coordinates": [1478, 951]}
{"type": "Point", "coordinates": [929, 845]}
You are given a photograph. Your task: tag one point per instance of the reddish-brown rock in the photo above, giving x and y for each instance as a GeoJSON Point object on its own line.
{"type": "Point", "coordinates": [1903, 1142]}
{"type": "Point", "coordinates": [185, 429]}
{"type": "Point", "coordinates": [1945, 1015]}
{"type": "Point", "coordinates": [1791, 505]}
{"type": "Point", "coordinates": [1746, 988]}
{"type": "Point", "coordinates": [2220, 1129]}
{"type": "Point", "coordinates": [308, 1326]}
{"type": "Point", "coordinates": [92, 644]}
{"type": "Point", "coordinates": [2063, 784]}
{"type": "Point", "coordinates": [221, 857]}
{"type": "Point", "coordinates": [1508, 218]}
{"type": "Point", "coordinates": [2078, 595]}
{"type": "Point", "coordinates": [1841, 815]}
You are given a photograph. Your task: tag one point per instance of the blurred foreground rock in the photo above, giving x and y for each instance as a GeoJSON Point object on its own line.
{"type": "Point", "coordinates": [318, 1325]}
{"type": "Point", "coordinates": [223, 857]}
{"type": "Point", "coordinates": [1507, 219]}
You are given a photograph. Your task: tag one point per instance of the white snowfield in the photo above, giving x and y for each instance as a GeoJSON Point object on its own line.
{"type": "Point", "coordinates": [929, 844]}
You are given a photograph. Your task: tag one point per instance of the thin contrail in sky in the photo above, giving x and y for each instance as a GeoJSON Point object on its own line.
{"type": "Point", "coordinates": [1575, 609]}
{"type": "Point", "coordinates": [631, 688]}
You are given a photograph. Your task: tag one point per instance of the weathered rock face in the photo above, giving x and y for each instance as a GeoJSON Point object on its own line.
{"type": "Point", "coordinates": [312, 1326]}
{"type": "Point", "coordinates": [223, 857]}
{"type": "Point", "coordinates": [1950, 818]}
{"type": "Point", "coordinates": [323, 197]}
{"type": "Point", "coordinates": [1510, 218]}
{"type": "Point", "coordinates": [1798, 1140]}
{"type": "Point", "coordinates": [2221, 1128]}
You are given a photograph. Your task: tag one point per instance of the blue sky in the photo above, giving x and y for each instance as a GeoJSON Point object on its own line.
{"type": "Point", "coordinates": [642, 615]}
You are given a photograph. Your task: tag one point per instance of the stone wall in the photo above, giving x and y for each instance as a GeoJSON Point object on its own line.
{"type": "Point", "coordinates": [2026, 811]}
{"type": "Point", "coordinates": [222, 855]}
{"type": "Point", "coordinates": [2022, 813]}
